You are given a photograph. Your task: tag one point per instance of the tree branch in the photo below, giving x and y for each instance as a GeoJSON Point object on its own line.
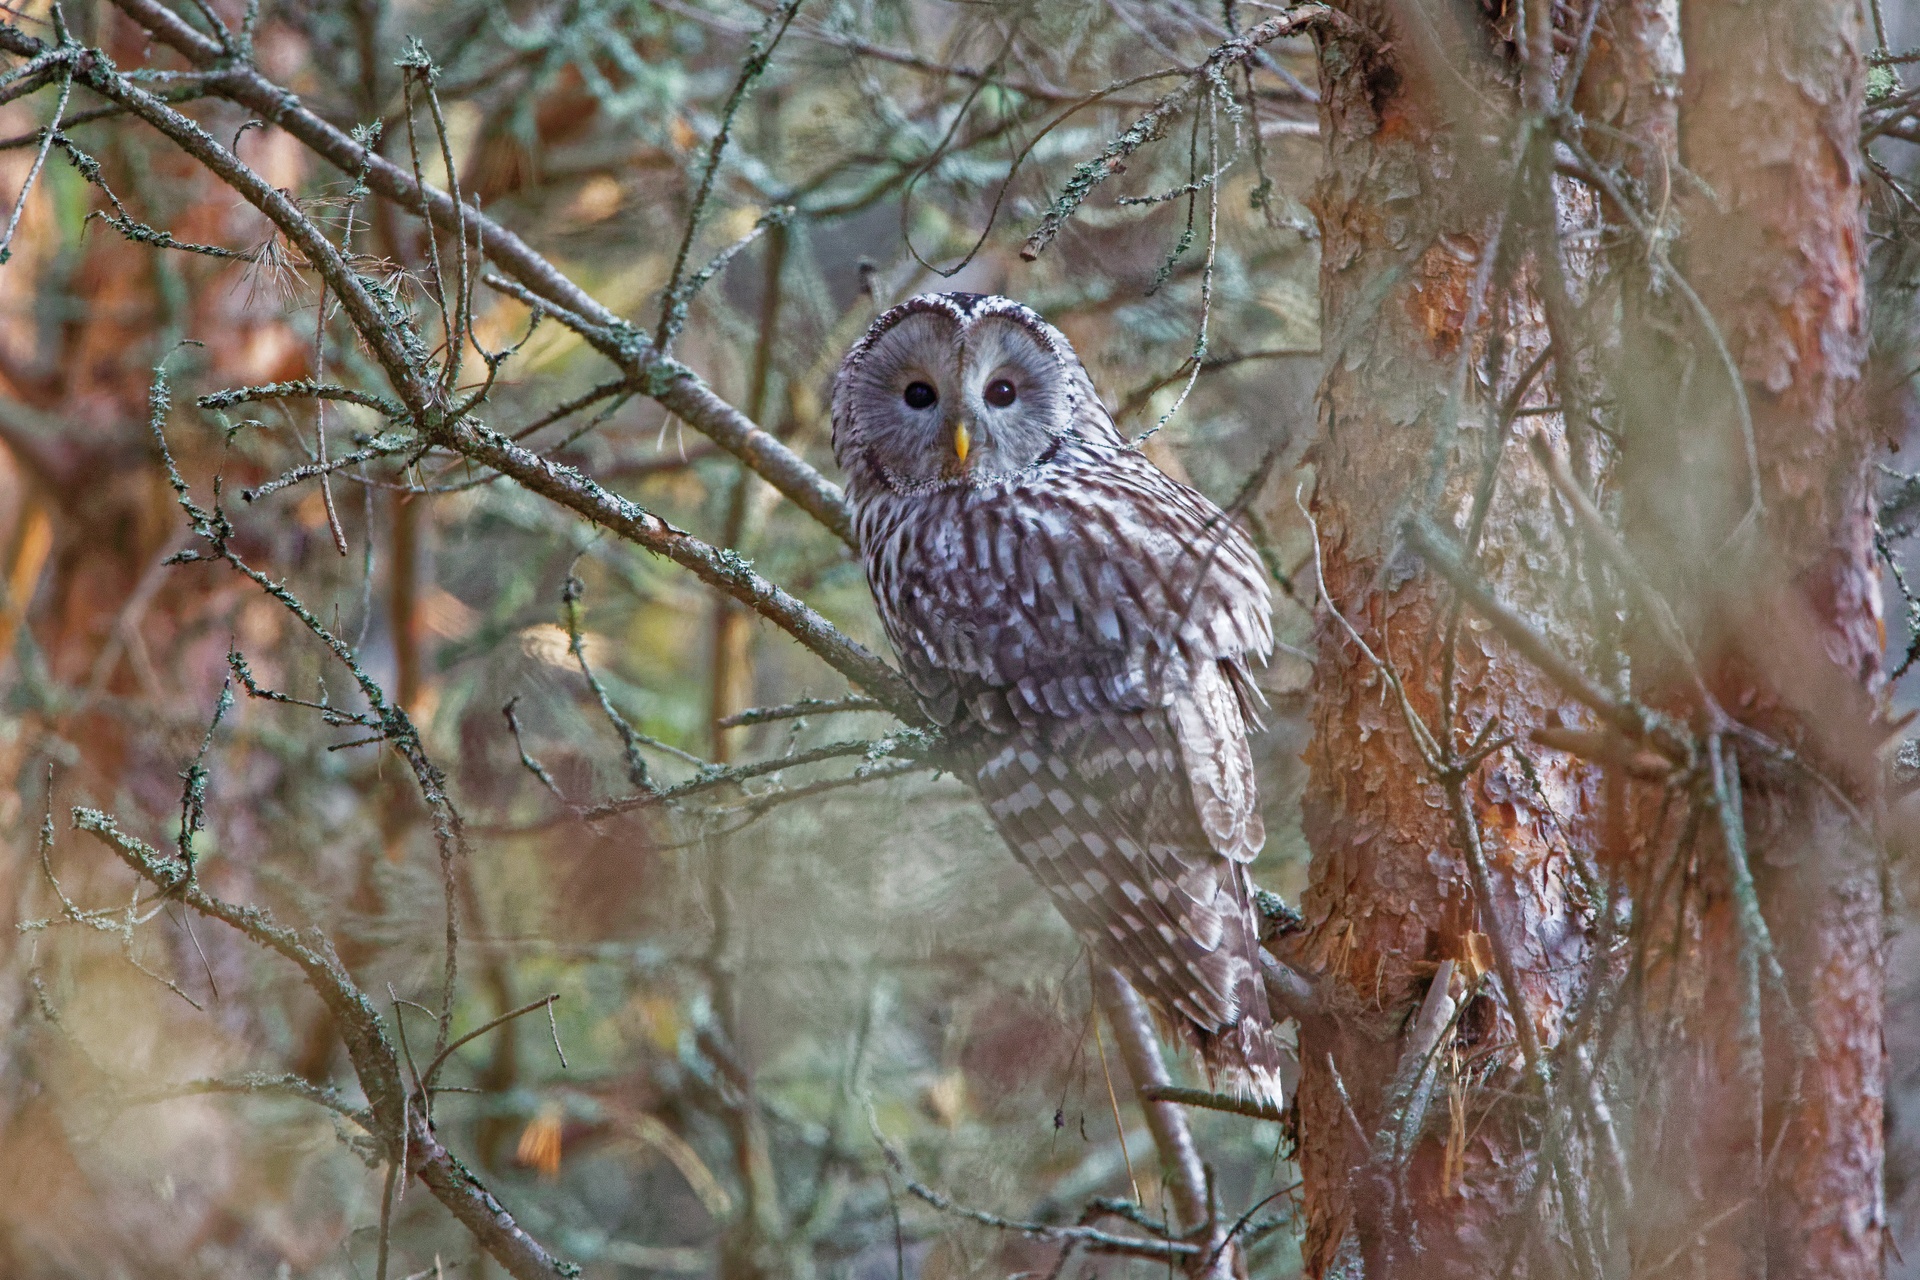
{"type": "Point", "coordinates": [675, 386]}
{"type": "Point", "coordinates": [399, 1125]}
{"type": "Point", "coordinates": [718, 567]}
{"type": "Point", "coordinates": [1153, 124]}
{"type": "Point", "coordinates": [1140, 1051]}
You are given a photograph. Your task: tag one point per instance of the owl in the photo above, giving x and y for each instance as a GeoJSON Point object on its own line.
{"type": "Point", "coordinates": [1081, 626]}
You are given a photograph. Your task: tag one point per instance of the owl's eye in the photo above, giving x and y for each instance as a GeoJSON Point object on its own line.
{"type": "Point", "coordinates": [1000, 393]}
{"type": "Point", "coordinates": [920, 395]}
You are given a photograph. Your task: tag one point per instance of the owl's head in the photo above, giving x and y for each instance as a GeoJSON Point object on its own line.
{"type": "Point", "coordinates": [951, 389]}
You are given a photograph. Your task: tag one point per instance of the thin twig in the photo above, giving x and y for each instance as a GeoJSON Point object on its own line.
{"type": "Point", "coordinates": [1153, 125]}
{"type": "Point", "coordinates": [433, 1068]}
{"type": "Point", "coordinates": [1091, 1237]}
{"type": "Point", "coordinates": [795, 710]}
{"type": "Point", "coordinates": [39, 162]}
{"type": "Point", "coordinates": [673, 308]}
{"type": "Point", "coordinates": [372, 1055]}
{"type": "Point", "coordinates": [1213, 1102]}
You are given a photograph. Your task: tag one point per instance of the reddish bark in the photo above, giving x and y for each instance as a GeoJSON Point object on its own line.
{"type": "Point", "coordinates": [1405, 229]}
{"type": "Point", "coordinates": [1771, 122]}
{"type": "Point", "coordinates": [1745, 1159]}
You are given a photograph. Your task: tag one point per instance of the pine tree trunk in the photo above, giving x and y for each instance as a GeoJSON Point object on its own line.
{"type": "Point", "coordinates": [1662, 1103]}
{"type": "Point", "coordinates": [1414, 230]}
{"type": "Point", "coordinates": [1782, 609]}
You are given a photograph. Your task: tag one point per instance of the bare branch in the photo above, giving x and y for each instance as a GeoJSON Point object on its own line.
{"type": "Point", "coordinates": [1092, 1237]}
{"type": "Point", "coordinates": [1629, 718]}
{"type": "Point", "coordinates": [795, 710]}
{"type": "Point", "coordinates": [675, 386]}
{"type": "Point", "coordinates": [718, 567]}
{"type": "Point", "coordinates": [1153, 125]}
{"type": "Point", "coordinates": [374, 1061]}
{"type": "Point", "coordinates": [1212, 1102]}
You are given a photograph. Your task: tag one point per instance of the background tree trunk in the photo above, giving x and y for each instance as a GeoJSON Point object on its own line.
{"type": "Point", "coordinates": [1784, 613]}
{"type": "Point", "coordinates": [1445, 249]}
{"type": "Point", "coordinates": [1414, 231]}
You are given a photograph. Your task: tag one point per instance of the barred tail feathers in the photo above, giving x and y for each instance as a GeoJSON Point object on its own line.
{"type": "Point", "coordinates": [1153, 899]}
{"type": "Point", "coordinates": [1245, 1062]}
{"type": "Point", "coordinates": [1246, 1058]}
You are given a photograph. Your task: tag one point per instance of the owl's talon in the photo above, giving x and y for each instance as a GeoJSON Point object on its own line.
{"type": "Point", "coordinates": [1277, 917]}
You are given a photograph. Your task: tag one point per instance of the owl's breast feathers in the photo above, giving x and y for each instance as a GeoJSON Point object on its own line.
{"type": "Point", "coordinates": [1083, 630]}
{"type": "Point", "coordinates": [1095, 583]}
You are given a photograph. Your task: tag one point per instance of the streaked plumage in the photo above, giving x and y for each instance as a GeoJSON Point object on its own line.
{"type": "Point", "coordinates": [1082, 624]}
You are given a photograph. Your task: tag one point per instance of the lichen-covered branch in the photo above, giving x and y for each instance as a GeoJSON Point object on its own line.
{"type": "Point", "coordinates": [674, 385]}
{"type": "Point", "coordinates": [375, 1062]}
{"type": "Point", "coordinates": [717, 566]}
{"type": "Point", "coordinates": [1153, 125]}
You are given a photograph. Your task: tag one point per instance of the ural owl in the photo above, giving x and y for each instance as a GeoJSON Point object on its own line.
{"type": "Point", "coordinates": [1081, 625]}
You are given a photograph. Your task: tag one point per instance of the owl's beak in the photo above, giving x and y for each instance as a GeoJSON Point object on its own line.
{"type": "Point", "coordinates": [962, 442]}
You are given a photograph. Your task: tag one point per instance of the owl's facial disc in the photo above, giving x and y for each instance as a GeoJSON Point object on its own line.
{"type": "Point", "coordinates": [1012, 385]}
{"type": "Point", "coordinates": [940, 398]}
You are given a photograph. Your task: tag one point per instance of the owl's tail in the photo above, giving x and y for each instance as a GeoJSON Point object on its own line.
{"type": "Point", "coordinates": [1246, 1058]}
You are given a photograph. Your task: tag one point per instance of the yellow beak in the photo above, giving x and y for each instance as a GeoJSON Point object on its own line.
{"type": "Point", "coordinates": [962, 441]}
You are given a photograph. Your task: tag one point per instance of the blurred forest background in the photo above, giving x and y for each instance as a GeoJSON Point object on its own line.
{"type": "Point", "coordinates": [789, 945]}
{"type": "Point", "coordinates": [737, 961]}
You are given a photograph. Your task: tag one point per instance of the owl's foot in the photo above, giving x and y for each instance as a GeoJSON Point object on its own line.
{"type": "Point", "coordinates": [1277, 917]}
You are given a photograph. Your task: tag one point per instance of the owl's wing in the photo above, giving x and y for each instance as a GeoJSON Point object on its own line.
{"type": "Point", "coordinates": [1210, 720]}
{"type": "Point", "coordinates": [1086, 632]}
{"type": "Point", "coordinates": [1097, 806]}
